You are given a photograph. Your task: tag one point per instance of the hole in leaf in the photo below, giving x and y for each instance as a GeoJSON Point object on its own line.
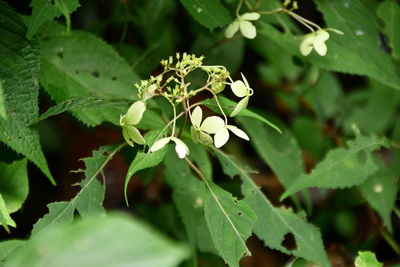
{"type": "Point", "coordinates": [114, 78]}
{"type": "Point", "coordinates": [77, 71]}
{"type": "Point", "coordinates": [60, 55]}
{"type": "Point", "coordinates": [289, 242]}
{"type": "Point", "coordinates": [106, 154]}
{"type": "Point", "coordinates": [240, 214]}
{"type": "Point", "coordinates": [95, 74]}
{"type": "Point", "coordinates": [52, 2]}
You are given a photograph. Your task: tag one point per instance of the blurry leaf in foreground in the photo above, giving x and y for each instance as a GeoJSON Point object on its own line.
{"type": "Point", "coordinates": [115, 240]}
{"type": "Point", "coordinates": [367, 259]}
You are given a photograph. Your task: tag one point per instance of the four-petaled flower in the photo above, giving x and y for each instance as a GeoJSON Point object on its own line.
{"type": "Point", "coordinates": [243, 23]}
{"type": "Point", "coordinates": [180, 147]}
{"type": "Point", "coordinates": [315, 40]}
{"type": "Point", "coordinates": [241, 89]}
{"type": "Point", "coordinates": [132, 117]}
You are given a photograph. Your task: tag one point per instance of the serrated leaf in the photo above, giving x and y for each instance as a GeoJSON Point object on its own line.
{"type": "Point", "coordinates": [209, 13]}
{"type": "Point", "coordinates": [115, 240]}
{"type": "Point", "coordinates": [88, 201]}
{"type": "Point", "coordinates": [46, 10]}
{"type": "Point", "coordinates": [380, 191]}
{"type": "Point", "coordinates": [79, 64]}
{"type": "Point", "coordinates": [144, 160]}
{"type": "Point", "coordinates": [19, 69]}
{"type": "Point", "coordinates": [189, 194]}
{"type": "Point", "coordinates": [228, 106]}
{"type": "Point", "coordinates": [82, 103]}
{"type": "Point", "coordinates": [363, 57]}
{"type": "Point", "coordinates": [277, 150]}
{"type": "Point", "coordinates": [274, 223]}
{"type": "Point", "coordinates": [342, 167]}
{"type": "Point", "coordinates": [366, 259]}
{"type": "Point", "coordinates": [389, 12]}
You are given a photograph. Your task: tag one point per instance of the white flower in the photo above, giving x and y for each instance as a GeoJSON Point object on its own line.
{"type": "Point", "coordinates": [198, 134]}
{"type": "Point", "coordinates": [222, 135]}
{"type": "Point", "coordinates": [132, 117]}
{"type": "Point", "coordinates": [241, 89]}
{"type": "Point", "coordinates": [243, 23]}
{"type": "Point", "coordinates": [315, 40]}
{"type": "Point", "coordinates": [180, 147]}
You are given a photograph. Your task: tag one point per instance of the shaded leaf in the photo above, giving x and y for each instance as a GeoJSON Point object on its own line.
{"type": "Point", "coordinates": [380, 191]}
{"type": "Point", "coordinates": [46, 10]}
{"type": "Point", "coordinates": [116, 240]}
{"type": "Point", "coordinates": [19, 70]}
{"type": "Point", "coordinates": [7, 248]}
{"type": "Point", "coordinates": [389, 12]}
{"type": "Point", "coordinates": [273, 224]}
{"type": "Point", "coordinates": [342, 167]}
{"type": "Point", "coordinates": [3, 113]}
{"type": "Point", "coordinates": [209, 13]}
{"type": "Point", "coordinates": [79, 64]}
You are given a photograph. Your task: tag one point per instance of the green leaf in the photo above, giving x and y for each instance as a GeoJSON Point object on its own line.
{"type": "Point", "coordinates": [342, 167]}
{"type": "Point", "coordinates": [144, 160]}
{"type": "Point", "coordinates": [46, 10]}
{"type": "Point", "coordinates": [389, 12]}
{"type": "Point", "coordinates": [116, 240]}
{"type": "Point", "coordinates": [277, 150]}
{"type": "Point", "coordinates": [273, 224]}
{"type": "Point", "coordinates": [189, 195]}
{"type": "Point", "coordinates": [228, 106]}
{"type": "Point", "coordinates": [363, 57]}
{"type": "Point", "coordinates": [367, 259]}
{"type": "Point", "coordinates": [82, 103]}
{"type": "Point", "coordinates": [378, 102]}
{"type": "Point", "coordinates": [19, 69]}
{"type": "Point", "coordinates": [209, 13]}
{"type": "Point", "coordinates": [230, 222]}
{"type": "Point", "coordinates": [3, 113]}
{"type": "Point", "coordinates": [79, 64]}
{"type": "Point", "coordinates": [380, 191]}
{"type": "Point", "coordinates": [198, 154]}
{"type": "Point", "coordinates": [89, 200]}
{"type": "Point", "coordinates": [7, 248]}
{"type": "Point", "coordinates": [5, 218]}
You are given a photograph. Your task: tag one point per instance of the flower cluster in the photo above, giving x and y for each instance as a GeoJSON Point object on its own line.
{"type": "Point", "coordinates": [173, 85]}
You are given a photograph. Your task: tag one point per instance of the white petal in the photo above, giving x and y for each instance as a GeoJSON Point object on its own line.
{"type": "Point", "coordinates": [320, 47]}
{"type": "Point", "coordinates": [240, 106]}
{"type": "Point", "coordinates": [232, 29]}
{"type": "Point", "coordinates": [181, 148]}
{"type": "Point", "coordinates": [306, 45]}
{"type": "Point", "coordinates": [212, 124]}
{"type": "Point", "coordinates": [135, 113]}
{"type": "Point", "coordinates": [197, 116]}
{"type": "Point", "coordinates": [134, 134]}
{"type": "Point", "coordinates": [221, 137]}
{"type": "Point", "coordinates": [245, 81]}
{"type": "Point", "coordinates": [322, 35]}
{"type": "Point", "coordinates": [239, 89]}
{"type": "Point", "coordinates": [238, 132]}
{"type": "Point", "coordinates": [250, 16]}
{"type": "Point", "coordinates": [159, 144]}
{"type": "Point", "coordinates": [248, 29]}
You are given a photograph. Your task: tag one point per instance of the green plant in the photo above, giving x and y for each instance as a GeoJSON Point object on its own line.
{"type": "Point", "coordinates": [173, 121]}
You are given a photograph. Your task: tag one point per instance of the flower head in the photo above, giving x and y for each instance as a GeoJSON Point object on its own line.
{"type": "Point", "coordinates": [180, 147]}
{"type": "Point", "coordinates": [132, 117]}
{"type": "Point", "coordinates": [243, 23]}
{"type": "Point", "coordinates": [241, 89]}
{"type": "Point", "coordinates": [316, 41]}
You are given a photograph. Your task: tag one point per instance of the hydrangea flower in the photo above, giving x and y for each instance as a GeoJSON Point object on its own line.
{"type": "Point", "coordinates": [180, 147]}
{"type": "Point", "coordinates": [132, 117]}
{"type": "Point", "coordinates": [316, 41]}
{"type": "Point", "coordinates": [243, 23]}
{"type": "Point", "coordinates": [243, 90]}
{"type": "Point", "coordinates": [198, 131]}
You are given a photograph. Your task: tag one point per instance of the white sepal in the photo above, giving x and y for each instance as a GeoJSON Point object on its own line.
{"type": "Point", "coordinates": [238, 132]}
{"type": "Point", "coordinates": [239, 88]}
{"type": "Point", "coordinates": [134, 113]}
{"type": "Point", "coordinates": [212, 124]}
{"type": "Point", "coordinates": [221, 137]}
{"type": "Point", "coordinates": [197, 116]}
{"type": "Point", "coordinates": [240, 106]}
{"type": "Point", "coordinates": [159, 144]}
{"type": "Point", "coordinates": [250, 16]}
{"type": "Point", "coordinates": [248, 29]}
{"type": "Point", "coordinates": [232, 29]}
{"type": "Point", "coordinates": [180, 147]}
